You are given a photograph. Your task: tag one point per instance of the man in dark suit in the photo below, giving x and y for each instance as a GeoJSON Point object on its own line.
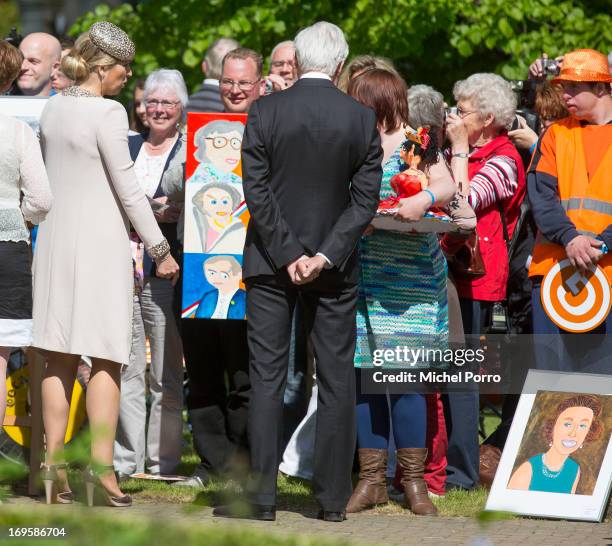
{"type": "Point", "coordinates": [208, 98]}
{"type": "Point", "coordinates": [311, 174]}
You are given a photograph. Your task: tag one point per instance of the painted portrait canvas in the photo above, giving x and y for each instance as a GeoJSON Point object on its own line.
{"type": "Point", "coordinates": [216, 218]}
{"type": "Point", "coordinates": [557, 460]}
{"type": "Point", "coordinates": [27, 109]}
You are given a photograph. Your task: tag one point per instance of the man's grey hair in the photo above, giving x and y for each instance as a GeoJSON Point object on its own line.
{"type": "Point", "coordinates": [278, 46]}
{"type": "Point", "coordinates": [214, 56]}
{"type": "Point", "coordinates": [425, 107]}
{"type": "Point", "coordinates": [166, 79]}
{"type": "Point", "coordinates": [321, 47]}
{"type": "Point", "coordinates": [489, 94]}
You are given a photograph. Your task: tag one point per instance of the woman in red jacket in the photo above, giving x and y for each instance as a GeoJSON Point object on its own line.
{"type": "Point", "coordinates": [488, 169]}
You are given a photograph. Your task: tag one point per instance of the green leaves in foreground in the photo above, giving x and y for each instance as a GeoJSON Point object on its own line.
{"type": "Point", "coordinates": [85, 527]}
{"type": "Point", "coordinates": [490, 516]}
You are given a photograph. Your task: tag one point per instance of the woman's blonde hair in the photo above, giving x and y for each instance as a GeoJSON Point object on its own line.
{"type": "Point", "coordinates": [83, 59]}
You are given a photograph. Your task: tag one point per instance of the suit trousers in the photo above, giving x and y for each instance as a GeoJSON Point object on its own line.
{"type": "Point", "coordinates": [154, 319]}
{"type": "Point", "coordinates": [217, 360]}
{"type": "Point", "coordinates": [329, 314]}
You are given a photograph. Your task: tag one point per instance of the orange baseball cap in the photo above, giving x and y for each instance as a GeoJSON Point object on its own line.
{"type": "Point", "coordinates": [584, 65]}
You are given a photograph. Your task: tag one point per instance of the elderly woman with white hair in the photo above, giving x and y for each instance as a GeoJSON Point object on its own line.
{"type": "Point", "coordinates": [488, 169]}
{"type": "Point", "coordinates": [158, 446]}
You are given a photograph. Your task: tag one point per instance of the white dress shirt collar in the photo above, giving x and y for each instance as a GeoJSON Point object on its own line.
{"type": "Point", "coordinates": [211, 81]}
{"type": "Point", "coordinates": [320, 75]}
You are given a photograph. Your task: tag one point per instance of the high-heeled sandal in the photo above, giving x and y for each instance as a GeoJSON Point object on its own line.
{"type": "Point", "coordinates": [92, 481]}
{"type": "Point", "coordinates": [50, 478]}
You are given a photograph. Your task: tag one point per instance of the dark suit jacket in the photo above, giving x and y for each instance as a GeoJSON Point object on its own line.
{"type": "Point", "coordinates": [311, 164]}
{"type": "Point", "coordinates": [206, 99]}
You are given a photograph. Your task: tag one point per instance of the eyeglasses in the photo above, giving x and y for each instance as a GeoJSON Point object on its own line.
{"type": "Point", "coordinates": [245, 86]}
{"type": "Point", "coordinates": [280, 64]}
{"type": "Point", "coordinates": [462, 113]}
{"type": "Point", "coordinates": [165, 104]}
{"type": "Point", "coordinates": [221, 142]}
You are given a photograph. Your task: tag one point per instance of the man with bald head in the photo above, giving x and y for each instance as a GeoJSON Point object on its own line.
{"type": "Point", "coordinates": [41, 56]}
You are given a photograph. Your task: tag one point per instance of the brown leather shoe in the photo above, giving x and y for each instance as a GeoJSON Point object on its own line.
{"type": "Point", "coordinates": [412, 464]}
{"type": "Point", "coordinates": [371, 489]}
{"type": "Point", "coordinates": [489, 461]}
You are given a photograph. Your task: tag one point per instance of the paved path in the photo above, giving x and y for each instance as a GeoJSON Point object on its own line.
{"type": "Point", "coordinates": [381, 529]}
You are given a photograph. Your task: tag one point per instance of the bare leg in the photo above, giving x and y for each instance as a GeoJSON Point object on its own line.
{"type": "Point", "coordinates": [103, 393]}
{"type": "Point", "coordinates": [4, 356]}
{"type": "Point", "coordinates": [57, 385]}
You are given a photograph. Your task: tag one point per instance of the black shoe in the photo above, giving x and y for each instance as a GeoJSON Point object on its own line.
{"type": "Point", "coordinates": [258, 512]}
{"type": "Point", "coordinates": [331, 516]}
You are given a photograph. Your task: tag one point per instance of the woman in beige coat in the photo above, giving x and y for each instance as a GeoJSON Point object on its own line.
{"type": "Point", "coordinates": [83, 277]}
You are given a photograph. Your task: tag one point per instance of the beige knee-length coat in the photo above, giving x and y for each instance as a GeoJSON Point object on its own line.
{"type": "Point", "coordinates": [83, 275]}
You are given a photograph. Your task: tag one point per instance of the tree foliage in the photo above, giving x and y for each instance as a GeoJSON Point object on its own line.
{"type": "Point", "coordinates": [432, 41]}
{"type": "Point", "coordinates": [9, 16]}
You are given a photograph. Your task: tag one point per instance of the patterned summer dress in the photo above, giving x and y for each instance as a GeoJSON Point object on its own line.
{"type": "Point", "coordinates": [402, 291]}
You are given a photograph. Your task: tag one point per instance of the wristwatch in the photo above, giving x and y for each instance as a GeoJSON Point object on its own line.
{"type": "Point", "coordinates": [604, 247]}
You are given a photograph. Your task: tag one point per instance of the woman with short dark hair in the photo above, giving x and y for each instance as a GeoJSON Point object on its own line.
{"type": "Point", "coordinates": [402, 302]}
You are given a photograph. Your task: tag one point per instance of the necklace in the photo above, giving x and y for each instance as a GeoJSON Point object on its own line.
{"type": "Point", "coordinates": [78, 91]}
{"type": "Point", "coordinates": [550, 473]}
{"type": "Point", "coordinates": [163, 146]}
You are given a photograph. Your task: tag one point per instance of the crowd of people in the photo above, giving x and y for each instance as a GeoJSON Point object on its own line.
{"type": "Point", "coordinates": [323, 140]}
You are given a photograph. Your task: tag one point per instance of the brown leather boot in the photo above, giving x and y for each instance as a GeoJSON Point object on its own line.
{"type": "Point", "coordinates": [372, 486]}
{"type": "Point", "coordinates": [412, 464]}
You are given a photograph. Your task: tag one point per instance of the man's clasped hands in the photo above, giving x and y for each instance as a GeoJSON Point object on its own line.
{"type": "Point", "coordinates": [305, 269]}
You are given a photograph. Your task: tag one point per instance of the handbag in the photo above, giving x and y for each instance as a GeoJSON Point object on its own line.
{"type": "Point", "coordinates": [467, 261]}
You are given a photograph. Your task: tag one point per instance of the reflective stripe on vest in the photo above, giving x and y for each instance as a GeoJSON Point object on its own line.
{"type": "Point", "coordinates": [587, 203]}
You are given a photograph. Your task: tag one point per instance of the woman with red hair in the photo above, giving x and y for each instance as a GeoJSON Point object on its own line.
{"type": "Point", "coordinates": [402, 302]}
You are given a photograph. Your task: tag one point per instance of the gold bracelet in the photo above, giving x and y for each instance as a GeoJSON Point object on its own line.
{"type": "Point", "coordinates": [159, 251]}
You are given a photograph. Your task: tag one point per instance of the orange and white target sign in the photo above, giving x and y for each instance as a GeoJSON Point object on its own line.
{"type": "Point", "coordinates": [574, 301]}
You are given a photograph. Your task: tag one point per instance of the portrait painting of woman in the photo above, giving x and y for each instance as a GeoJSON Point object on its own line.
{"type": "Point", "coordinates": [218, 146]}
{"type": "Point", "coordinates": [220, 231]}
{"type": "Point", "coordinates": [576, 421]}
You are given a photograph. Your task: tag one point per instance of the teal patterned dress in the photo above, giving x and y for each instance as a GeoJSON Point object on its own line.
{"type": "Point", "coordinates": [402, 291]}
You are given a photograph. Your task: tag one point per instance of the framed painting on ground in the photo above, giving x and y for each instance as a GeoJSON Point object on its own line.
{"type": "Point", "coordinates": [557, 461]}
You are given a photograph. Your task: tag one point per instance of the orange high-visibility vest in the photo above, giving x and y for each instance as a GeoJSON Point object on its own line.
{"type": "Point", "coordinates": [588, 204]}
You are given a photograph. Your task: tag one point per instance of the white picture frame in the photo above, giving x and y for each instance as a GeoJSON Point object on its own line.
{"type": "Point", "coordinates": [560, 505]}
{"type": "Point", "coordinates": [28, 109]}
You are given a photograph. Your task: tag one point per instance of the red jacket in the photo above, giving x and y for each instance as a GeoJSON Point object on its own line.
{"type": "Point", "coordinates": [492, 285]}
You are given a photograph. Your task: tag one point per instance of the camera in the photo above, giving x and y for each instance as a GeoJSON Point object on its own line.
{"type": "Point", "coordinates": [269, 87]}
{"type": "Point", "coordinates": [550, 67]}
{"type": "Point", "coordinates": [450, 110]}
{"type": "Point", "coordinates": [525, 91]}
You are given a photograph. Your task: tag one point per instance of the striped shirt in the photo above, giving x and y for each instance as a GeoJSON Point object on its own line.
{"type": "Point", "coordinates": [499, 173]}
